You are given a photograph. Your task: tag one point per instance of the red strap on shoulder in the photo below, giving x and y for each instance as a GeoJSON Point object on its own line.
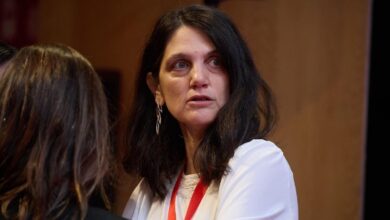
{"type": "Point", "coordinates": [196, 198]}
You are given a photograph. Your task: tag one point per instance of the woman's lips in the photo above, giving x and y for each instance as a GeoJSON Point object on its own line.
{"type": "Point", "coordinates": [200, 101]}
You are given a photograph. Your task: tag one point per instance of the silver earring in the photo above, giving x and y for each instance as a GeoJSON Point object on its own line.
{"type": "Point", "coordinates": [158, 115]}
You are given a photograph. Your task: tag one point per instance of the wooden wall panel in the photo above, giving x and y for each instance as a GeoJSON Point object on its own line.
{"type": "Point", "coordinates": [57, 22]}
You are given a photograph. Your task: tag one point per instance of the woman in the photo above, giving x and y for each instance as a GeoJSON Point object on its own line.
{"type": "Point", "coordinates": [198, 124]}
{"type": "Point", "coordinates": [54, 135]}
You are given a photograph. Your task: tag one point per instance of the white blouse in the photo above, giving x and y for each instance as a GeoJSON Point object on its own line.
{"type": "Point", "coordinates": [259, 185]}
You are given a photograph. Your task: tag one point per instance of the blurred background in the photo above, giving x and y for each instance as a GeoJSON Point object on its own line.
{"type": "Point", "coordinates": [315, 54]}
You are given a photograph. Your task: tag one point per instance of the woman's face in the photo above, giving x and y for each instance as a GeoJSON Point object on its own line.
{"type": "Point", "coordinates": [192, 81]}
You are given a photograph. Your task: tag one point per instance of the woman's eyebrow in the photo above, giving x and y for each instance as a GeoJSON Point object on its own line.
{"type": "Point", "coordinates": [177, 56]}
{"type": "Point", "coordinates": [182, 55]}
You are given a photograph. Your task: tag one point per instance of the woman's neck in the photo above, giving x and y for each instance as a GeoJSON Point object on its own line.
{"type": "Point", "coordinates": [192, 141]}
{"type": "Point", "coordinates": [190, 151]}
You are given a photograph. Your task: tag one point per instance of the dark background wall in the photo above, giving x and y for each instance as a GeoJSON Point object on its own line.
{"type": "Point", "coordinates": [378, 109]}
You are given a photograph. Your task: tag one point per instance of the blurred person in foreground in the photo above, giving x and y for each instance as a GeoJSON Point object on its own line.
{"type": "Point", "coordinates": [54, 136]}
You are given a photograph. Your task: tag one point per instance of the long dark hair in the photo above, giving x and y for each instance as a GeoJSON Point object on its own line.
{"type": "Point", "coordinates": [249, 113]}
{"type": "Point", "coordinates": [54, 134]}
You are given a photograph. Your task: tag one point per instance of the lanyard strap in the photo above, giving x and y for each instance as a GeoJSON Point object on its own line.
{"type": "Point", "coordinates": [196, 197]}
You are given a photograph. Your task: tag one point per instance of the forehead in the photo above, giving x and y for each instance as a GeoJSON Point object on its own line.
{"type": "Point", "coordinates": [188, 40]}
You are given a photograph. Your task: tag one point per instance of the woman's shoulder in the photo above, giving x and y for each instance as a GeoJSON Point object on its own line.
{"type": "Point", "coordinates": [257, 150]}
{"type": "Point", "coordinates": [257, 158]}
{"type": "Point", "coordinates": [259, 181]}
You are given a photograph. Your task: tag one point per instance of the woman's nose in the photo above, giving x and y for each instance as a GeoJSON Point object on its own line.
{"type": "Point", "coordinates": [199, 77]}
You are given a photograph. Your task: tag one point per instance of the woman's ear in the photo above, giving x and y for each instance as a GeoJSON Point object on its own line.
{"type": "Point", "coordinates": [154, 87]}
{"type": "Point", "coordinates": [152, 84]}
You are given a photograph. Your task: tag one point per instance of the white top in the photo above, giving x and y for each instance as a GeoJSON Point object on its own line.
{"type": "Point", "coordinates": [260, 185]}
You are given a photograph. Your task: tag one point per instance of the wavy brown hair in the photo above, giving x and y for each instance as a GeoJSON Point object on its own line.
{"type": "Point", "coordinates": [54, 134]}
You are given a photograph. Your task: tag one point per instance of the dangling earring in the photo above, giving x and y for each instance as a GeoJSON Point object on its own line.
{"type": "Point", "coordinates": [158, 115]}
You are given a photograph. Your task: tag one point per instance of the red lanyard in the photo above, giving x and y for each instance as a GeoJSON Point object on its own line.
{"type": "Point", "coordinates": [197, 196]}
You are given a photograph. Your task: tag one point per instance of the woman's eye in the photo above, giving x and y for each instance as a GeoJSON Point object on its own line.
{"type": "Point", "coordinates": [215, 61]}
{"type": "Point", "coordinates": [180, 65]}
